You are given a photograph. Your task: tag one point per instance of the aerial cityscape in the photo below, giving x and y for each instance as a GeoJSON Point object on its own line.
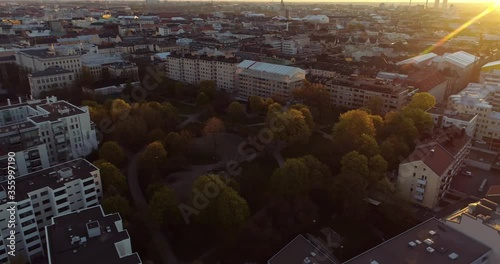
{"type": "Point", "coordinates": [240, 132]}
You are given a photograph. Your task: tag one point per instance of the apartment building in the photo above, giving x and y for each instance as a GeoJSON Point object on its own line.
{"type": "Point", "coordinates": [444, 118]}
{"type": "Point", "coordinates": [490, 73]}
{"type": "Point", "coordinates": [482, 100]}
{"type": "Point", "coordinates": [267, 80]}
{"type": "Point", "coordinates": [44, 132]}
{"type": "Point", "coordinates": [430, 242]}
{"type": "Point", "coordinates": [95, 63]}
{"type": "Point", "coordinates": [354, 92]}
{"type": "Point", "coordinates": [290, 45]}
{"type": "Point", "coordinates": [480, 221]}
{"type": "Point", "coordinates": [192, 69]}
{"type": "Point", "coordinates": [35, 60]}
{"type": "Point", "coordinates": [41, 195]}
{"type": "Point", "coordinates": [89, 236]}
{"type": "Point", "coordinates": [425, 176]}
{"type": "Point", "coordinates": [49, 79]}
{"type": "Point", "coordinates": [124, 70]}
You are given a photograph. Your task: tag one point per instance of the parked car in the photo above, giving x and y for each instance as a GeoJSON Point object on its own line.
{"type": "Point", "coordinates": [467, 173]}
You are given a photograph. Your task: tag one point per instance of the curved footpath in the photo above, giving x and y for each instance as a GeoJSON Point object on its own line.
{"type": "Point", "coordinates": [159, 240]}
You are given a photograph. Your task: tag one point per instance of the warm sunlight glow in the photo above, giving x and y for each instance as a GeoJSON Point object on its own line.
{"type": "Point", "coordinates": [464, 26]}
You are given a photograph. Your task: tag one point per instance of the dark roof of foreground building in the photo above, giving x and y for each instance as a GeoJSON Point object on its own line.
{"type": "Point", "coordinates": [431, 242]}
{"type": "Point", "coordinates": [87, 236]}
{"type": "Point", "coordinates": [297, 251]}
{"type": "Point", "coordinates": [50, 71]}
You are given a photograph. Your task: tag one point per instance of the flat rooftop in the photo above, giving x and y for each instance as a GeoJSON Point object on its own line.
{"type": "Point", "coordinates": [57, 110]}
{"type": "Point", "coordinates": [96, 250]}
{"type": "Point", "coordinates": [49, 177]}
{"type": "Point", "coordinates": [446, 241]}
{"type": "Point", "coordinates": [297, 251]}
{"type": "Point", "coordinates": [450, 114]}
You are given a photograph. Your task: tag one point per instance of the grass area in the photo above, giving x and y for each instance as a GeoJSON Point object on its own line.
{"type": "Point", "coordinates": [203, 158]}
{"type": "Point", "coordinates": [184, 109]}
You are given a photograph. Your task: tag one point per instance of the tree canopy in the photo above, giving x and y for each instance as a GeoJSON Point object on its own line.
{"type": "Point", "coordinates": [112, 152]}
{"type": "Point", "coordinates": [422, 101]}
{"type": "Point", "coordinates": [163, 206]}
{"type": "Point", "coordinates": [153, 157]}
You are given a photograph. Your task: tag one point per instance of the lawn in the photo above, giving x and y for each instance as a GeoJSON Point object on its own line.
{"type": "Point", "coordinates": [184, 109]}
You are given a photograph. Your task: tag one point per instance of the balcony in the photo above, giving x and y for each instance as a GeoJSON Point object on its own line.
{"type": "Point", "coordinates": [418, 197]}
{"type": "Point", "coordinates": [420, 190]}
{"type": "Point", "coordinates": [421, 181]}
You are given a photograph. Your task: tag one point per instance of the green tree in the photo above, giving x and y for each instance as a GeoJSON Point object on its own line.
{"type": "Point", "coordinates": [378, 167]}
{"type": "Point", "coordinates": [212, 128]}
{"type": "Point", "coordinates": [355, 163]}
{"type": "Point", "coordinates": [399, 126]}
{"type": "Point", "coordinates": [423, 101]}
{"type": "Point", "coordinates": [112, 177]}
{"type": "Point", "coordinates": [86, 78]}
{"type": "Point", "coordinates": [306, 113]}
{"type": "Point", "coordinates": [120, 109]}
{"type": "Point", "coordinates": [116, 204]}
{"type": "Point", "coordinates": [202, 99]}
{"type": "Point", "coordinates": [180, 89]}
{"type": "Point", "coordinates": [393, 150]}
{"type": "Point", "coordinates": [112, 152]}
{"type": "Point", "coordinates": [376, 105]}
{"type": "Point", "coordinates": [291, 180]}
{"type": "Point", "coordinates": [163, 206]}
{"type": "Point", "coordinates": [315, 97]}
{"type": "Point", "coordinates": [177, 143]}
{"type": "Point", "coordinates": [153, 157]}
{"type": "Point", "coordinates": [227, 211]}
{"type": "Point", "coordinates": [422, 120]}
{"type": "Point", "coordinates": [128, 86]}
{"type": "Point", "coordinates": [236, 111]}
{"type": "Point", "coordinates": [290, 126]}
{"type": "Point", "coordinates": [348, 132]}
{"type": "Point", "coordinates": [368, 146]}
{"type": "Point", "coordinates": [131, 132]}
{"type": "Point", "coordinates": [257, 104]}
{"type": "Point", "coordinates": [208, 87]}
{"type": "Point", "coordinates": [156, 135]}
{"type": "Point", "coordinates": [319, 173]}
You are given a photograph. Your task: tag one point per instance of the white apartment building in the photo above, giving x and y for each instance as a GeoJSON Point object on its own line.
{"type": "Point", "coordinates": [195, 68]}
{"type": "Point", "coordinates": [480, 221]}
{"type": "Point", "coordinates": [446, 118]}
{"type": "Point", "coordinates": [36, 60]}
{"type": "Point", "coordinates": [49, 79]}
{"type": "Point", "coordinates": [41, 195]}
{"type": "Point", "coordinates": [43, 133]}
{"type": "Point", "coordinates": [94, 63]}
{"type": "Point", "coordinates": [267, 80]}
{"type": "Point", "coordinates": [89, 236]}
{"type": "Point", "coordinates": [355, 92]}
{"type": "Point", "coordinates": [291, 45]}
{"type": "Point", "coordinates": [425, 176]}
{"type": "Point", "coordinates": [490, 73]}
{"type": "Point", "coordinates": [482, 100]}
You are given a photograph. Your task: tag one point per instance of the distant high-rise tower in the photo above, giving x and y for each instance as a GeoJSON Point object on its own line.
{"type": "Point", "coordinates": [436, 4]}
{"type": "Point", "coordinates": [445, 4]}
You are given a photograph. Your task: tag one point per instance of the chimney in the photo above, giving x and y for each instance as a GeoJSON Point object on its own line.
{"type": "Point", "coordinates": [8, 101]}
{"type": "Point", "coordinates": [93, 229]}
{"type": "Point", "coordinates": [20, 100]}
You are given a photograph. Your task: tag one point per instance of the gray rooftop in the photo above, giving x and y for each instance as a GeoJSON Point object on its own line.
{"type": "Point", "coordinates": [96, 250]}
{"type": "Point", "coordinates": [297, 251]}
{"type": "Point", "coordinates": [446, 241]}
{"type": "Point", "coordinates": [49, 177]}
{"type": "Point", "coordinates": [50, 71]}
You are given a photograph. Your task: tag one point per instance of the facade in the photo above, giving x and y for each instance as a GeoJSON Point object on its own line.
{"type": "Point", "coordinates": [354, 92]}
{"type": "Point", "coordinates": [461, 63]}
{"type": "Point", "coordinates": [195, 68]}
{"type": "Point", "coordinates": [89, 236]}
{"type": "Point", "coordinates": [43, 133]}
{"type": "Point", "coordinates": [446, 118]}
{"type": "Point", "coordinates": [430, 242]}
{"type": "Point", "coordinates": [124, 70]}
{"type": "Point", "coordinates": [212, 43]}
{"type": "Point", "coordinates": [35, 60]}
{"type": "Point", "coordinates": [482, 100]}
{"type": "Point", "coordinates": [96, 63]}
{"type": "Point", "coordinates": [49, 79]}
{"type": "Point", "coordinates": [490, 73]}
{"type": "Point", "coordinates": [425, 176]}
{"type": "Point", "coordinates": [480, 221]}
{"type": "Point", "coordinates": [267, 80]}
{"type": "Point", "coordinates": [41, 195]}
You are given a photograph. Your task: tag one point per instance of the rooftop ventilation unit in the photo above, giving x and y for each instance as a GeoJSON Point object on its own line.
{"type": "Point", "coordinates": [412, 244]}
{"type": "Point", "coordinates": [453, 256]}
{"type": "Point", "coordinates": [428, 241]}
{"type": "Point", "coordinates": [374, 262]}
{"type": "Point", "coordinates": [418, 242]}
{"type": "Point", "coordinates": [430, 250]}
{"type": "Point", "coordinates": [432, 232]}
